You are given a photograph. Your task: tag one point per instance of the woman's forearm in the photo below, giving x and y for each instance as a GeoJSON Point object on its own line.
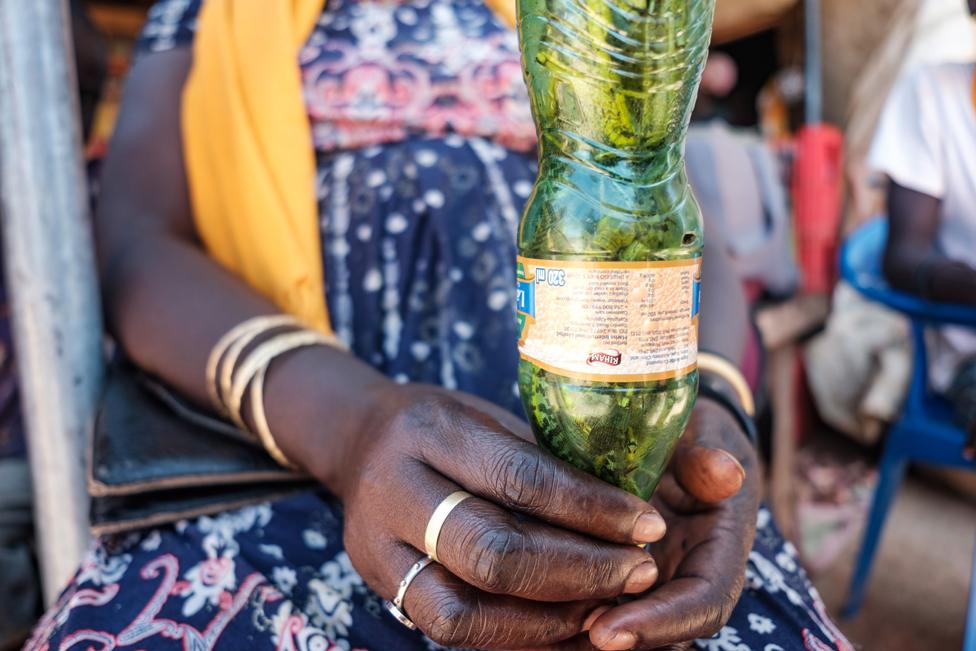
{"type": "Point", "coordinates": [168, 302]}
{"type": "Point", "coordinates": [175, 303]}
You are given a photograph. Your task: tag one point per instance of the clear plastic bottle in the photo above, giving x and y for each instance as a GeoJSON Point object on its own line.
{"type": "Point", "coordinates": [610, 242]}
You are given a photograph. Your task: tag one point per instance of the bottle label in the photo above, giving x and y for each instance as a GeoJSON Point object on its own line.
{"type": "Point", "coordinates": [610, 321]}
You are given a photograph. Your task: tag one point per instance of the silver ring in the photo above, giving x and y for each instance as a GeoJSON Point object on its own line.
{"type": "Point", "coordinates": [399, 615]}
{"type": "Point", "coordinates": [396, 606]}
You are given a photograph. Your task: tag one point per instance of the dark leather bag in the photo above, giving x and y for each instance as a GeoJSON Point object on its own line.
{"type": "Point", "coordinates": [155, 459]}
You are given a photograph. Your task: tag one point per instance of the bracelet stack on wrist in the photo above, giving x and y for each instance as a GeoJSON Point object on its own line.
{"type": "Point", "coordinates": [722, 382]}
{"type": "Point", "coordinates": [239, 362]}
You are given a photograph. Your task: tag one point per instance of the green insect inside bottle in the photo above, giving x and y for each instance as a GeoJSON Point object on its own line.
{"type": "Point", "coordinates": [610, 242]}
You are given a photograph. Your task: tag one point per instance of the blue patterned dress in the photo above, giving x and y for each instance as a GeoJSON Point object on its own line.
{"type": "Point", "coordinates": [425, 158]}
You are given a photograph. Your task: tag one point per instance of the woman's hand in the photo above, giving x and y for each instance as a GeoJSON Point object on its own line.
{"type": "Point", "coordinates": [701, 560]}
{"type": "Point", "coordinates": [525, 562]}
{"type": "Point", "coordinates": [543, 549]}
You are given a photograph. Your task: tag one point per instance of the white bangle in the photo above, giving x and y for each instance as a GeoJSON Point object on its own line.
{"type": "Point", "coordinates": [231, 345]}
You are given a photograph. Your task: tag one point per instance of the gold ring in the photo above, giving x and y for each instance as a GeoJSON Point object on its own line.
{"type": "Point", "coordinates": [436, 522]}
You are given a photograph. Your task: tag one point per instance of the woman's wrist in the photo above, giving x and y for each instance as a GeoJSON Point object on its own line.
{"type": "Point", "coordinates": [714, 391]}
{"type": "Point", "coordinates": [722, 382]}
{"type": "Point", "coordinates": [319, 402]}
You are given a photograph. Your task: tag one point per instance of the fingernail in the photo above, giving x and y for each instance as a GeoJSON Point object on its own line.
{"type": "Point", "coordinates": [650, 527]}
{"type": "Point", "coordinates": [735, 462]}
{"type": "Point", "coordinates": [595, 615]}
{"type": "Point", "coordinates": [641, 578]}
{"type": "Point", "coordinates": [617, 641]}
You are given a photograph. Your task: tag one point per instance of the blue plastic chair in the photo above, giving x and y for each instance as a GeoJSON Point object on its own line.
{"type": "Point", "coordinates": [925, 432]}
{"type": "Point", "coordinates": [969, 644]}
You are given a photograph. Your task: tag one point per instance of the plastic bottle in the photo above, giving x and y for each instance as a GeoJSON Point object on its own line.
{"type": "Point", "coordinates": [610, 242]}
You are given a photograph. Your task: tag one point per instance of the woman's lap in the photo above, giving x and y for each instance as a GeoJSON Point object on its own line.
{"type": "Point", "coordinates": [276, 576]}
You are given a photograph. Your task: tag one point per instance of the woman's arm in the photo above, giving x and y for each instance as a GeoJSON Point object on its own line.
{"type": "Point", "coordinates": [167, 301]}
{"type": "Point", "coordinates": [911, 261]}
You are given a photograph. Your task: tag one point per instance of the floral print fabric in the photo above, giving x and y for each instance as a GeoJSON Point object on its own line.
{"type": "Point", "coordinates": [264, 577]}
{"type": "Point", "coordinates": [376, 71]}
{"type": "Point", "coordinates": [275, 576]}
{"type": "Point", "coordinates": [379, 71]}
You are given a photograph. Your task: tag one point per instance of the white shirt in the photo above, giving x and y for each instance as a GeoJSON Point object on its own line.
{"type": "Point", "coordinates": [926, 141]}
{"type": "Point", "coordinates": [943, 31]}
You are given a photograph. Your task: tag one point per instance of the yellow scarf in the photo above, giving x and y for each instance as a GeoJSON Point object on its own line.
{"type": "Point", "coordinates": [247, 146]}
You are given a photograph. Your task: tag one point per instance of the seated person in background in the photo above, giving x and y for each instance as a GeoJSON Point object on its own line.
{"type": "Point", "coordinates": [926, 145]}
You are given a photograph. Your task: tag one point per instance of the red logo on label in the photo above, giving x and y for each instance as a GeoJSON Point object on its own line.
{"type": "Point", "coordinates": [608, 357]}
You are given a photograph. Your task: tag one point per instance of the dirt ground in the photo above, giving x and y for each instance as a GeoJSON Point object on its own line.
{"type": "Point", "coordinates": [917, 594]}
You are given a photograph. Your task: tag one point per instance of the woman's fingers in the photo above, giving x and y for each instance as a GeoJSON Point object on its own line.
{"type": "Point", "coordinates": [579, 643]}
{"type": "Point", "coordinates": [491, 549]}
{"type": "Point", "coordinates": [710, 475]}
{"type": "Point", "coordinates": [455, 614]}
{"type": "Point", "coordinates": [685, 608]}
{"type": "Point", "coordinates": [582, 643]}
{"type": "Point", "coordinates": [707, 463]}
{"type": "Point", "coordinates": [475, 451]}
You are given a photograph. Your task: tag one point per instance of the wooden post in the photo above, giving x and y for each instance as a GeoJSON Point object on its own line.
{"type": "Point", "coordinates": [50, 271]}
{"type": "Point", "coordinates": [814, 61]}
{"type": "Point", "coordinates": [783, 328]}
